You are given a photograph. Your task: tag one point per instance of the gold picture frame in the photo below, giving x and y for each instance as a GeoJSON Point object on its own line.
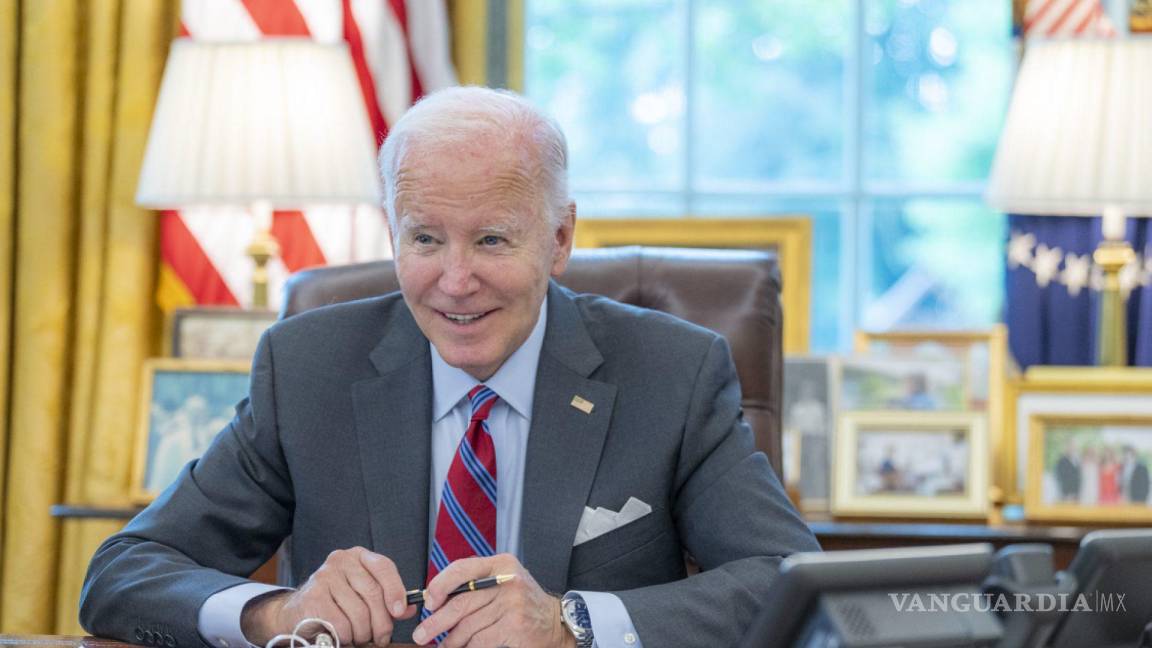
{"type": "Point", "coordinates": [997, 365]}
{"type": "Point", "coordinates": [215, 332]}
{"type": "Point", "coordinates": [1089, 468]}
{"type": "Point", "coordinates": [184, 403]}
{"type": "Point", "coordinates": [941, 470]}
{"type": "Point", "coordinates": [789, 236]}
{"type": "Point", "coordinates": [1049, 390]}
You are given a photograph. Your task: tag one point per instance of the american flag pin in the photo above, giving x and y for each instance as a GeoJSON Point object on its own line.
{"type": "Point", "coordinates": [582, 405]}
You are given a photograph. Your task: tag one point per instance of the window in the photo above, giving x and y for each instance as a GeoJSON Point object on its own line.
{"type": "Point", "coordinates": [878, 118]}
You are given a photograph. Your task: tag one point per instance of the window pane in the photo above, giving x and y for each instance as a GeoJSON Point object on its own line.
{"type": "Point", "coordinates": [768, 87]}
{"type": "Point", "coordinates": [825, 298]}
{"type": "Point", "coordinates": [612, 74]}
{"type": "Point", "coordinates": [937, 79]}
{"type": "Point", "coordinates": [935, 263]}
{"type": "Point", "coordinates": [629, 204]}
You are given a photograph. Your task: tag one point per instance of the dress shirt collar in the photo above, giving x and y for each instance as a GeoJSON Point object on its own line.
{"type": "Point", "coordinates": [514, 381]}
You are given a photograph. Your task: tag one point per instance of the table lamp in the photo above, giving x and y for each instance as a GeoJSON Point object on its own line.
{"type": "Point", "coordinates": [1078, 142]}
{"type": "Point", "coordinates": [271, 124]}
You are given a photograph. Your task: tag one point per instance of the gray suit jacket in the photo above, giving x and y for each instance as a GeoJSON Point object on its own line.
{"type": "Point", "coordinates": [332, 447]}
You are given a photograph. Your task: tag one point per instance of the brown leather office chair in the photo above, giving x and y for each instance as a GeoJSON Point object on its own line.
{"type": "Point", "coordinates": [733, 292]}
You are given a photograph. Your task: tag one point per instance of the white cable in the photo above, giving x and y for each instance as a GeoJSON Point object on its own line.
{"type": "Point", "coordinates": [322, 640]}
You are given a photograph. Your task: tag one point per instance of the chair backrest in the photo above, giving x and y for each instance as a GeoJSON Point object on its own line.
{"type": "Point", "coordinates": [733, 292]}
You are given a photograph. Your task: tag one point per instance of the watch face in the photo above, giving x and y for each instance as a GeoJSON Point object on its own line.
{"type": "Point", "coordinates": [576, 617]}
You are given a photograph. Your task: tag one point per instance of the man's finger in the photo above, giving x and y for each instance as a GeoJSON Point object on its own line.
{"type": "Point", "coordinates": [384, 571]}
{"type": "Point", "coordinates": [456, 574]}
{"type": "Point", "coordinates": [467, 629]}
{"type": "Point", "coordinates": [447, 616]}
{"type": "Point", "coordinates": [370, 591]}
{"type": "Point", "coordinates": [355, 609]}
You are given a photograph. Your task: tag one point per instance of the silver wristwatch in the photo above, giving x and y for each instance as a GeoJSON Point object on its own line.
{"type": "Point", "coordinates": [574, 614]}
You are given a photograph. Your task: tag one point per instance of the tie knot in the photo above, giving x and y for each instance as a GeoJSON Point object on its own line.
{"type": "Point", "coordinates": [482, 400]}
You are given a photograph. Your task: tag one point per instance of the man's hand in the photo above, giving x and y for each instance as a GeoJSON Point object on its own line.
{"type": "Point", "coordinates": [517, 613]}
{"type": "Point", "coordinates": [357, 591]}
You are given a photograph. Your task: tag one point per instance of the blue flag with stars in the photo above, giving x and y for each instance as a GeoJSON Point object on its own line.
{"type": "Point", "coordinates": [1053, 287]}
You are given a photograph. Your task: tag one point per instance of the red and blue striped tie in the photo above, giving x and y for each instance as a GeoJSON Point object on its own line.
{"type": "Point", "coordinates": [466, 521]}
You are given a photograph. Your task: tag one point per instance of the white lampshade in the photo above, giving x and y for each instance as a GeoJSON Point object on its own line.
{"type": "Point", "coordinates": [1078, 137]}
{"type": "Point", "coordinates": [275, 120]}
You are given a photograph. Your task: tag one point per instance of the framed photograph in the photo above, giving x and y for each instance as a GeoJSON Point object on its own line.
{"type": "Point", "coordinates": [1089, 468]}
{"type": "Point", "coordinates": [901, 464]}
{"type": "Point", "coordinates": [871, 383]}
{"type": "Point", "coordinates": [183, 405]}
{"type": "Point", "coordinates": [809, 418]}
{"type": "Point", "coordinates": [1140, 16]}
{"type": "Point", "coordinates": [988, 367]}
{"type": "Point", "coordinates": [789, 236]}
{"type": "Point", "coordinates": [1091, 392]}
{"type": "Point", "coordinates": [218, 333]}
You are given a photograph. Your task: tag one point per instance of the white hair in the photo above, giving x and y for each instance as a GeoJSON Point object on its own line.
{"type": "Point", "coordinates": [454, 116]}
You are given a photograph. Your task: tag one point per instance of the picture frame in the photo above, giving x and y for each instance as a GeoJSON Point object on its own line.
{"type": "Point", "coordinates": [1089, 468]}
{"type": "Point", "coordinates": [216, 332]}
{"type": "Point", "coordinates": [989, 369]}
{"type": "Point", "coordinates": [875, 383]}
{"type": "Point", "coordinates": [808, 417]}
{"type": "Point", "coordinates": [1070, 391]}
{"type": "Point", "coordinates": [1140, 16]}
{"type": "Point", "coordinates": [911, 464]}
{"type": "Point", "coordinates": [184, 403]}
{"type": "Point", "coordinates": [789, 236]}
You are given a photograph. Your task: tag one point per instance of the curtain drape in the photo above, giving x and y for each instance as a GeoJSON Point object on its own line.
{"type": "Point", "coordinates": [78, 79]}
{"type": "Point", "coordinates": [1052, 299]}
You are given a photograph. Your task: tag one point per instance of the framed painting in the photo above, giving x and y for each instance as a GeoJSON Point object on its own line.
{"type": "Point", "coordinates": [183, 405]}
{"type": "Point", "coordinates": [911, 464]}
{"type": "Point", "coordinates": [218, 333]}
{"type": "Point", "coordinates": [1090, 469]}
{"type": "Point", "coordinates": [789, 236]}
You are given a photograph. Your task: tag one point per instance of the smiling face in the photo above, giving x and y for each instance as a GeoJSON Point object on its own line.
{"type": "Point", "coordinates": [474, 250]}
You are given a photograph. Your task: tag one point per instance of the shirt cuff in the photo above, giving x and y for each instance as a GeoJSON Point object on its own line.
{"type": "Point", "coordinates": [219, 620]}
{"type": "Point", "coordinates": [611, 624]}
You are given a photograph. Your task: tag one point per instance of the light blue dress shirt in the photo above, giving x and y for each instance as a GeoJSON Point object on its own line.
{"type": "Point", "coordinates": [510, 420]}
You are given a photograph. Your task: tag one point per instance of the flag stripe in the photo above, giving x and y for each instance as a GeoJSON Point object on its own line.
{"type": "Point", "coordinates": [1066, 18]}
{"type": "Point", "coordinates": [277, 17]}
{"type": "Point", "coordinates": [180, 249]}
{"type": "Point", "coordinates": [298, 246]}
{"type": "Point", "coordinates": [367, 85]}
{"type": "Point", "coordinates": [400, 10]}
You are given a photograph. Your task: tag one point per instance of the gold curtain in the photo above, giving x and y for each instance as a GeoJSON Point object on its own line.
{"type": "Point", "coordinates": [78, 79]}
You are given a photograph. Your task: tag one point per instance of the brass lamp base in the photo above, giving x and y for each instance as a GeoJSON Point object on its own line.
{"type": "Point", "coordinates": [1112, 320]}
{"type": "Point", "coordinates": [262, 248]}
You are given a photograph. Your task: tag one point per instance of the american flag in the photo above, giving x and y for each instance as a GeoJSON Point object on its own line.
{"type": "Point", "coordinates": [1046, 18]}
{"type": "Point", "coordinates": [400, 50]}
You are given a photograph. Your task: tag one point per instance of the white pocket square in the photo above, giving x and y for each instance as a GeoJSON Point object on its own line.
{"type": "Point", "coordinates": [595, 522]}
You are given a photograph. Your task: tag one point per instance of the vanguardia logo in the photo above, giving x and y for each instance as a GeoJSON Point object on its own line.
{"type": "Point", "coordinates": [968, 601]}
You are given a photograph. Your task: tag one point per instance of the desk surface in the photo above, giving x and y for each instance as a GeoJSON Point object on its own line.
{"type": "Point", "coordinates": [62, 641]}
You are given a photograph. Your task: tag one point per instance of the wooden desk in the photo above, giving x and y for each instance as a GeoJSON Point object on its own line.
{"type": "Point", "coordinates": [834, 535]}
{"type": "Point", "coordinates": [62, 641]}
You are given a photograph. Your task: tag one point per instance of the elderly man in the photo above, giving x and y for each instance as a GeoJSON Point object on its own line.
{"type": "Point", "coordinates": [465, 428]}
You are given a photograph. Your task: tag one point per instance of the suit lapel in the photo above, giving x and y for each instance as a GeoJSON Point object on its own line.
{"type": "Point", "coordinates": [564, 443]}
{"type": "Point", "coordinates": [393, 424]}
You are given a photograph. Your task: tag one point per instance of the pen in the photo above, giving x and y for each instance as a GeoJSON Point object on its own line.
{"type": "Point", "coordinates": [417, 596]}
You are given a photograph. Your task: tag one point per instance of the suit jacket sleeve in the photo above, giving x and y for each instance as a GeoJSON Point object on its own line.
{"type": "Point", "coordinates": [733, 518]}
{"type": "Point", "coordinates": [224, 517]}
